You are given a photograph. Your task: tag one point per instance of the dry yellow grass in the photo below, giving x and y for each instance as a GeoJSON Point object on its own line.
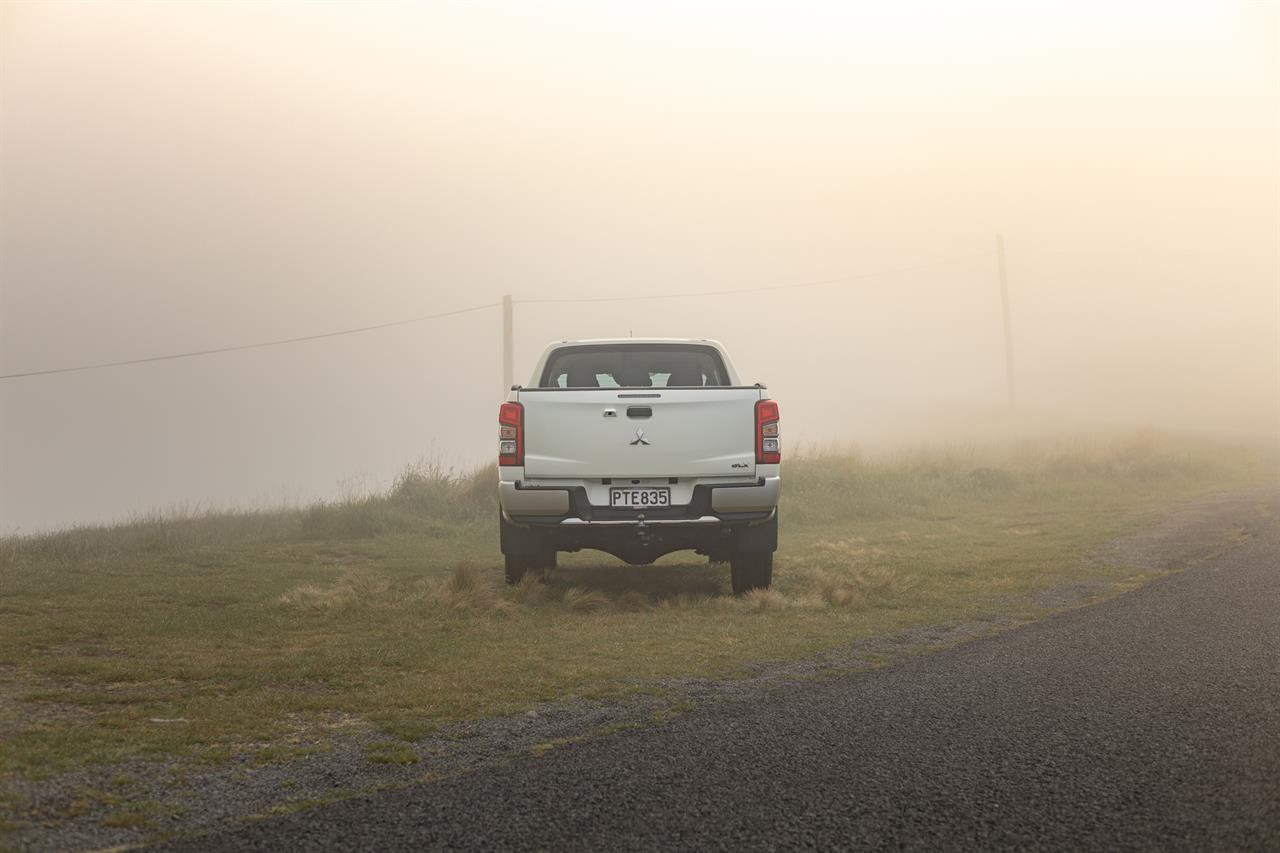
{"type": "Point", "coordinates": [839, 593]}
{"type": "Point", "coordinates": [764, 599]}
{"type": "Point", "coordinates": [579, 600]}
{"type": "Point", "coordinates": [531, 591]}
{"type": "Point", "coordinates": [354, 587]}
{"type": "Point", "coordinates": [467, 587]}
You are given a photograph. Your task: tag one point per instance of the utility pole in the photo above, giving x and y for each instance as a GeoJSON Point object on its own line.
{"type": "Point", "coordinates": [1008, 325]}
{"type": "Point", "coordinates": [508, 372]}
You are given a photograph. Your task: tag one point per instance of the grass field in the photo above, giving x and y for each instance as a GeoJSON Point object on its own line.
{"type": "Point", "coordinates": [245, 633]}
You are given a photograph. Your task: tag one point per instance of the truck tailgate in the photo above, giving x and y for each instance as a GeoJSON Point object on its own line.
{"type": "Point", "coordinates": [689, 432]}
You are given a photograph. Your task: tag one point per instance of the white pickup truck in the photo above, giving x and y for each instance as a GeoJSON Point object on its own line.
{"type": "Point", "coordinates": [639, 447]}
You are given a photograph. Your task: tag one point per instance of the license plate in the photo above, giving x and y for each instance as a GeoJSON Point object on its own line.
{"type": "Point", "coordinates": [639, 498]}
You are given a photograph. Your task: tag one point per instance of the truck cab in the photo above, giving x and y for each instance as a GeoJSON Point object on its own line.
{"type": "Point", "coordinates": [639, 447]}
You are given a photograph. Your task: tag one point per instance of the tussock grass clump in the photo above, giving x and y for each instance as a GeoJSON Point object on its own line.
{"type": "Point", "coordinates": [441, 492]}
{"type": "Point", "coordinates": [530, 591]}
{"type": "Point", "coordinates": [841, 592]}
{"type": "Point", "coordinates": [364, 585]}
{"type": "Point", "coordinates": [354, 587]}
{"type": "Point", "coordinates": [851, 573]}
{"type": "Point", "coordinates": [468, 587]}
{"type": "Point", "coordinates": [581, 600]}
{"type": "Point", "coordinates": [764, 599]}
{"type": "Point", "coordinates": [312, 598]}
{"type": "Point", "coordinates": [464, 580]}
{"type": "Point", "coordinates": [684, 601]}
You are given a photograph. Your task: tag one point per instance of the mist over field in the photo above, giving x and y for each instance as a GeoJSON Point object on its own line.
{"type": "Point", "coordinates": [179, 177]}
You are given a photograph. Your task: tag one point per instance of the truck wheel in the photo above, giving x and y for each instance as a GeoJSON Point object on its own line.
{"type": "Point", "coordinates": [544, 560]}
{"type": "Point", "coordinates": [519, 565]}
{"type": "Point", "coordinates": [751, 570]}
{"type": "Point", "coordinates": [516, 566]}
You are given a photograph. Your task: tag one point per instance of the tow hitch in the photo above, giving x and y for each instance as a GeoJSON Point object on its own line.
{"type": "Point", "coordinates": [642, 531]}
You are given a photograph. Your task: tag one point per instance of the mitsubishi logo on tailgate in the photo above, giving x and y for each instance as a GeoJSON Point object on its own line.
{"type": "Point", "coordinates": [640, 439]}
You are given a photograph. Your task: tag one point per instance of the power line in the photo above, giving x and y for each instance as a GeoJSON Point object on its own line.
{"type": "Point", "coordinates": [817, 283]}
{"type": "Point", "coordinates": [640, 297]}
{"type": "Point", "coordinates": [280, 342]}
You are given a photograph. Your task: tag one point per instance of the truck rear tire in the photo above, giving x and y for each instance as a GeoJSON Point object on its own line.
{"type": "Point", "coordinates": [516, 566]}
{"type": "Point", "coordinates": [751, 570]}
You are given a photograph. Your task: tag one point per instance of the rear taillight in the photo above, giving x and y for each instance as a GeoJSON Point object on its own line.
{"type": "Point", "coordinates": [768, 443]}
{"type": "Point", "coordinates": [511, 434]}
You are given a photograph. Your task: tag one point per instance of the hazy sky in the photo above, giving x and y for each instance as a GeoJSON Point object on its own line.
{"type": "Point", "coordinates": [179, 176]}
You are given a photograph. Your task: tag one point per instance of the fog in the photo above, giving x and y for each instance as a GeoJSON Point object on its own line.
{"type": "Point", "coordinates": [179, 177]}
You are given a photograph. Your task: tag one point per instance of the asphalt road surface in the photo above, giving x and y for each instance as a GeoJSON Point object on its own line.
{"type": "Point", "coordinates": [1149, 721]}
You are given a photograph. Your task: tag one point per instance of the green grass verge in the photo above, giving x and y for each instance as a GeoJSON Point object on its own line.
{"type": "Point", "coordinates": [269, 632]}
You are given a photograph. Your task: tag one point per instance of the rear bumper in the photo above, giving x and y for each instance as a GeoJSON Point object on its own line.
{"type": "Point", "coordinates": [710, 504]}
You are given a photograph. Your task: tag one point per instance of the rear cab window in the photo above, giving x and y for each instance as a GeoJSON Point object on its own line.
{"type": "Point", "coordinates": [635, 366]}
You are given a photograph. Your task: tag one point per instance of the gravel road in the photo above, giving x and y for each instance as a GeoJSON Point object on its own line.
{"type": "Point", "coordinates": [1149, 721]}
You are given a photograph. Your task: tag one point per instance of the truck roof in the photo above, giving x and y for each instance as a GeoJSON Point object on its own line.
{"type": "Point", "coordinates": [589, 341]}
